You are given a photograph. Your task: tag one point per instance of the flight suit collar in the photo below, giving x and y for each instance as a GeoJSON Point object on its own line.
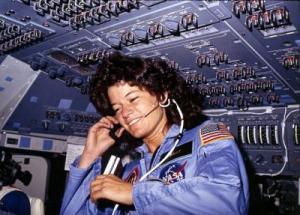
{"type": "Point", "coordinates": [172, 132]}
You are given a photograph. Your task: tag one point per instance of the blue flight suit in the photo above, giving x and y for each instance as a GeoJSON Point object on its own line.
{"type": "Point", "coordinates": [204, 175]}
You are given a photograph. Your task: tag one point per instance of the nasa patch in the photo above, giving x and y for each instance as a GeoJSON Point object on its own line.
{"type": "Point", "coordinates": [173, 172]}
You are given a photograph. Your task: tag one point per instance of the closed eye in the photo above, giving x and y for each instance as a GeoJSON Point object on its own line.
{"type": "Point", "coordinates": [116, 109]}
{"type": "Point", "coordinates": [133, 99]}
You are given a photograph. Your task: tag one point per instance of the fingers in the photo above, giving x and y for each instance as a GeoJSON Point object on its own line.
{"type": "Point", "coordinates": [100, 187]}
{"type": "Point", "coordinates": [108, 121]}
{"type": "Point", "coordinates": [105, 122]}
{"type": "Point", "coordinates": [100, 179]}
{"type": "Point", "coordinates": [120, 131]}
{"type": "Point", "coordinates": [112, 119]}
{"type": "Point", "coordinates": [109, 177]}
{"type": "Point", "coordinates": [97, 192]}
{"type": "Point", "coordinates": [100, 125]}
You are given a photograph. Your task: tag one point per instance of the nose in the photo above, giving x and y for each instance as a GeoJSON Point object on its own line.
{"type": "Point", "coordinates": [126, 111]}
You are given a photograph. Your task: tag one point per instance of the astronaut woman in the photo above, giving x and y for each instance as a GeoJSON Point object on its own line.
{"type": "Point", "coordinates": [188, 165]}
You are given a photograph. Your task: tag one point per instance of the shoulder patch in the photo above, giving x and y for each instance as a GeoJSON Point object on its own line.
{"type": "Point", "coordinates": [214, 132]}
{"type": "Point", "coordinates": [173, 172]}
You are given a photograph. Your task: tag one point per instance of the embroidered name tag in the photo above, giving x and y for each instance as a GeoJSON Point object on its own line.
{"type": "Point", "coordinates": [179, 151]}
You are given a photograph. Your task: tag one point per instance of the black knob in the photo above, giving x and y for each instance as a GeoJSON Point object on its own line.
{"type": "Point", "coordinates": [61, 126]}
{"type": "Point", "coordinates": [156, 29]}
{"type": "Point", "coordinates": [61, 71]}
{"type": "Point", "coordinates": [188, 20]}
{"type": "Point", "coordinates": [112, 8]}
{"type": "Point", "coordinates": [45, 124]}
{"type": "Point", "coordinates": [34, 65]}
{"type": "Point", "coordinates": [2, 24]}
{"type": "Point", "coordinates": [52, 72]}
{"type": "Point", "coordinates": [84, 89]}
{"type": "Point", "coordinates": [217, 59]}
{"type": "Point", "coordinates": [127, 38]}
{"type": "Point", "coordinates": [123, 5]}
{"type": "Point", "coordinates": [200, 60]}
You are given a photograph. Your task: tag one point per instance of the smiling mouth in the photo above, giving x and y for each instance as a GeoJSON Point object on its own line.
{"type": "Point", "coordinates": [134, 121]}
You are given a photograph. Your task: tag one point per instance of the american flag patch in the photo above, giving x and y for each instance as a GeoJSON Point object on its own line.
{"type": "Point", "coordinates": [214, 132]}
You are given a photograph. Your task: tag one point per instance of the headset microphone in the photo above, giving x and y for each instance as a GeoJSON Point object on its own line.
{"type": "Point", "coordinates": [153, 109]}
{"type": "Point", "coordinates": [113, 131]}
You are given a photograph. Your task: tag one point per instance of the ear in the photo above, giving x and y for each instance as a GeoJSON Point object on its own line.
{"type": "Point", "coordinates": [164, 97]}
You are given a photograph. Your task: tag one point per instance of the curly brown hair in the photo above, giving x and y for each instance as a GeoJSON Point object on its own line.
{"type": "Point", "coordinates": [153, 75]}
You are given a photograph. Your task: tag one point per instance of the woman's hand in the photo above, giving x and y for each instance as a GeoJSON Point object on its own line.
{"type": "Point", "coordinates": [112, 188]}
{"type": "Point", "coordinates": [98, 140]}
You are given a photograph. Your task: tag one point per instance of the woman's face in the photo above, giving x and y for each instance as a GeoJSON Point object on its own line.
{"type": "Point", "coordinates": [136, 109]}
